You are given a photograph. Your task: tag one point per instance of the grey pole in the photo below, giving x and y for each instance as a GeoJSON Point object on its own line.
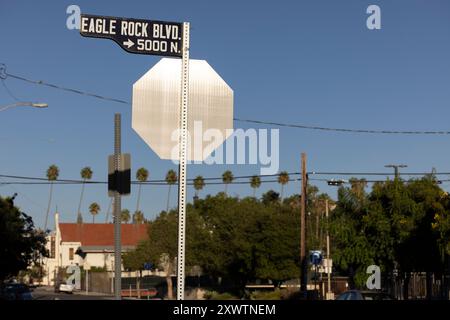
{"type": "Point", "coordinates": [328, 252]}
{"type": "Point", "coordinates": [182, 158]}
{"type": "Point", "coordinates": [117, 208]}
{"type": "Point", "coordinates": [396, 167]}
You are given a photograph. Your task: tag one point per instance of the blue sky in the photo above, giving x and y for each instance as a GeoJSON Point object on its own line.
{"type": "Point", "coordinates": [304, 62]}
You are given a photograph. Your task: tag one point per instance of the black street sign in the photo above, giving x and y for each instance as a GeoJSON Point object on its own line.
{"type": "Point", "coordinates": [119, 180]}
{"type": "Point", "coordinates": [136, 36]}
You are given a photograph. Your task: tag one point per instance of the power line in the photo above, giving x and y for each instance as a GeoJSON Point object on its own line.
{"type": "Point", "coordinates": [375, 173]}
{"type": "Point", "coordinates": [44, 181]}
{"type": "Point", "coordinates": [56, 182]}
{"type": "Point", "coordinates": [135, 181]}
{"type": "Point", "coordinates": [299, 126]}
{"type": "Point", "coordinates": [4, 75]}
{"type": "Point", "coordinates": [9, 91]}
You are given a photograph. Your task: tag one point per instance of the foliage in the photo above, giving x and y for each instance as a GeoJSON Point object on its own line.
{"type": "Point", "coordinates": [94, 209]}
{"type": "Point", "coordinates": [391, 227]}
{"type": "Point", "coordinates": [171, 179]}
{"type": "Point", "coordinates": [255, 183]}
{"type": "Point", "coordinates": [125, 216]}
{"type": "Point", "coordinates": [199, 184]}
{"type": "Point", "coordinates": [227, 178]}
{"type": "Point", "coordinates": [52, 173]}
{"type": "Point", "coordinates": [86, 173]}
{"type": "Point", "coordinates": [134, 260]}
{"type": "Point", "coordinates": [138, 217]}
{"type": "Point", "coordinates": [22, 245]}
{"type": "Point", "coordinates": [283, 179]}
{"type": "Point", "coordinates": [142, 174]}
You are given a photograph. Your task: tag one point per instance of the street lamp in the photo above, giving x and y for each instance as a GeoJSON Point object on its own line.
{"type": "Point", "coordinates": [24, 104]}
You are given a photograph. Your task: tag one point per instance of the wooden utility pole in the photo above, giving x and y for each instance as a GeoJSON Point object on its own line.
{"type": "Point", "coordinates": [303, 260]}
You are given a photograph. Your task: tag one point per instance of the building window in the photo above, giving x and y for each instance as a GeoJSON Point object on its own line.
{"type": "Point", "coordinates": [70, 253]}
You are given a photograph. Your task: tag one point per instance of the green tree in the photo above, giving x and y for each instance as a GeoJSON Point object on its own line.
{"type": "Point", "coordinates": [283, 179]}
{"type": "Point", "coordinates": [141, 176]}
{"type": "Point", "coordinates": [52, 175]}
{"type": "Point", "coordinates": [171, 179]}
{"type": "Point", "coordinates": [441, 224]}
{"type": "Point", "coordinates": [162, 249]}
{"type": "Point", "coordinates": [227, 178]}
{"type": "Point", "coordinates": [352, 251]}
{"type": "Point", "coordinates": [125, 216]}
{"type": "Point", "coordinates": [199, 184]}
{"type": "Point", "coordinates": [248, 240]}
{"type": "Point", "coordinates": [270, 197]}
{"type": "Point", "coordinates": [255, 183]}
{"type": "Point", "coordinates": [134, 260]}
{"type": "Point", "coordinates": [94, 209]}
{"type": "Point", "coordinates": [86, 174]}
{"type": "Point", "coordinates": [22, 244]}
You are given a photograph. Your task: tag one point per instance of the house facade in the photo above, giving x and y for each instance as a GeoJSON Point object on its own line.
{"type": "Point", "coordinates": [87, 245]}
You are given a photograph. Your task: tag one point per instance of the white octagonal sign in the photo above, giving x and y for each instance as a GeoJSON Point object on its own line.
{"type": "Point", "coordinates": [156, 109]}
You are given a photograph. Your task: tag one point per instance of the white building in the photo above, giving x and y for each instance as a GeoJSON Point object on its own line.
{"type": "Point", "coordinates": [85, 244]}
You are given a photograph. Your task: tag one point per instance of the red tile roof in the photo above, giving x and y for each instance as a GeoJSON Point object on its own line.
{"type": "Point", "coordinates": [102, 234]}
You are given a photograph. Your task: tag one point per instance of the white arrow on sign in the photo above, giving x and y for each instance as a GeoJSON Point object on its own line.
{"type": "Point", "coordinates": [128, 43]}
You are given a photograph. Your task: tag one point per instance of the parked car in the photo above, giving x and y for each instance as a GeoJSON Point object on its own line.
{"type": "Point", "coordinates": [15, 291]}
{"type": "Point", "coordinates": [365, 295]}
{"type": "Point", "coordinates": [64, 287]}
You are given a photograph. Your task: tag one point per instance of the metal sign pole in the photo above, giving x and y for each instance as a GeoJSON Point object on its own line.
{"type": "Point", "coordinates": [182, 159]}
{"type": "Point", "coordinates": [117, 208]}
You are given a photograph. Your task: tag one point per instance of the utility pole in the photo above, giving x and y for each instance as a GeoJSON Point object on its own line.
{"type": "Point", "coordinates": [396, 166]}
{"type": "Point", "coordinates": [117, 209]}
{"type": "Point", "coordinates": [329, 293]}
{"type": "Point", "coordinates": [303, 261]}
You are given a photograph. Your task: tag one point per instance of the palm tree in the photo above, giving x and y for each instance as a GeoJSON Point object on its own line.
{"type": "Point", "coordinates": [138, 217]}
{"type": "Point", "coordinates": [255, 183]}
{"type": "Point", "coordinates": [86, 174]}
{"type": "Point", "coordinates": [227, 178]}
{"type": "Point", "coordinates": [171, 179]}
{"type": "Point", "coordinates": [199, 183]}
{"type": "Point", "coordinates": [141, 176]}
{"type": "Point", "coordinates": [94, 209]}
{"type": "Point", "coordinates": [283, 179]}
{"type": "Point", "coordinates": [125, 216]}
{"type": "Point", "coordinates": [52, 175]}
{"type": "Point", "coordinates": [109, 209]}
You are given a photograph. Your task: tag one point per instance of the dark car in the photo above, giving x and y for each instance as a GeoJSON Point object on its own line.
{"type": "Point", "coordinates": [365, 295]}
{"type": "Point", "coordinates": [15, 291]}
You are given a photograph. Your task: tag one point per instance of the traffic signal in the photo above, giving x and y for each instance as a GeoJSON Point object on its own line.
{"type": "Point", "coordinates": [334, 182]}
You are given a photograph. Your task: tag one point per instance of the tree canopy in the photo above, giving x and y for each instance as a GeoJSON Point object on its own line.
{"type": "Point", "coordinates": [21, 243]}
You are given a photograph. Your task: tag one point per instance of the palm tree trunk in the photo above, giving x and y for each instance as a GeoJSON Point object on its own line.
{"type": "Point", "coordinates": [107, 211]}
{"type": "Point", "coordinates": [48, 207]}
{"type": "Point", "coordinates": [139, 197]}
{"type": "Point", "coordinates": [226, 188]}
{"type": "Point", "coordinates": [168, 198]}
{"type": "Point", "coordinates": [254, 192]}
{"type": "Point", "coordinates": [282, 192]}
{"type": "Point", "coordinates": [93, 218]}
{"type": "Point", "coordinates": [81, 199]}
